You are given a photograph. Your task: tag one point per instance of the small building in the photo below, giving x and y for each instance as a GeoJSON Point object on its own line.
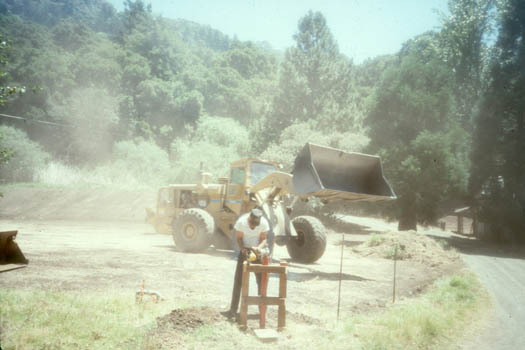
{"type": "Point", "coordinates": [464, 216]}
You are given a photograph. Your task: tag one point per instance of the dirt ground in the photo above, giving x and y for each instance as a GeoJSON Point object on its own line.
{"type": "Point", "coordinates": [96, 256]}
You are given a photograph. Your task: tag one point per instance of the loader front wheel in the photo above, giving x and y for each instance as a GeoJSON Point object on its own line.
{"type": "Point", "coordinates": [193, 230]}
{"type": "Point", "coordinates": [310, 243]}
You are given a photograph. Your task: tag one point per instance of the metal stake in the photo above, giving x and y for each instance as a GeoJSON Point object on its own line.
{"type": "Point", "coordinates": [395, 263]}
{"type": "Point", "coordinates": [340, 276]}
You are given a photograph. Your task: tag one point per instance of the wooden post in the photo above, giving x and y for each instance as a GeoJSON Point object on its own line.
{"type": "Point", "coordinates": [244, 294]}
{"type": "Point", "coordinates": [281, 313]}
{"type": "Point", "coordinates": [340, 276]}
{"type": "Point", "coordinates": [394, 284]}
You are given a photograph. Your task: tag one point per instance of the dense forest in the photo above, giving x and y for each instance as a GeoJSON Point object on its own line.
{"type": "Point", "coordinates": [112, 98]}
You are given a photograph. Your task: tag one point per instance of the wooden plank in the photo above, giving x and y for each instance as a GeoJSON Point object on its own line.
{"type": "Point", "coordinates": [268, 269]}
{"type": "Point", "coordinates": [244, 312]}
{"type": "Point", "coordinates": [264, 301]}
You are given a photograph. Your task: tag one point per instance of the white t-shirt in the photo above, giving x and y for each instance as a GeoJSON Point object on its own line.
{"type": "Point", "coordinates": [250, 238]}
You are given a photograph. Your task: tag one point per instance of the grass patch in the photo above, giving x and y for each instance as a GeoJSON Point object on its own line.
{"type": "Point", "coordinates": [45, 320]}
{"type": "Point", "coordinates": [432, 321]}
{"type": "Point", "coordinates": [397, 252]}
{"type": "Point", "coordinates": [52, 320]}
{"type": "Point", "coordinates": [375, 240]}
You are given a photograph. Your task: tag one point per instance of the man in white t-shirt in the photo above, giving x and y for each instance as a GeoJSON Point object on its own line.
{"type": "Point", "coordinates": [251, 230]}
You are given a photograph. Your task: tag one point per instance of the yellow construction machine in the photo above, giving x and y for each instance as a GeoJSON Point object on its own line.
{"type": "Point", "coordinates": [201, 214]}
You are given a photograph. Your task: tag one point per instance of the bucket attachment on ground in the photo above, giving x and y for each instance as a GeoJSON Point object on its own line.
{"type": "Point", "coordinates": [10, 252]}
{"type": "Point", "coordinates": [332, 174]}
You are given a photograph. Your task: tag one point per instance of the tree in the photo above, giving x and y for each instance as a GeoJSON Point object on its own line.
{"type": "Point", "coordinates": [412, 127]}
{"type": "Point", "coordinates": [97, 14]}
{"type": "Point", "coordinates": [90, 136]}
{"type": "Point", "coordinates": [463, 46]}
{"type": "Point", "coordinates": [5, 92]}
{"type": "Point", "coordinates": [498, 174]}
{"type": "Point", "coordinates": [315, 80]}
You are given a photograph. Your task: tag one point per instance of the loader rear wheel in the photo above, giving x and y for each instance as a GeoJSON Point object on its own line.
{"type": "Point", "coordinates": [193, 230]}
{"type": "Point", "coordinates": [310, 243]}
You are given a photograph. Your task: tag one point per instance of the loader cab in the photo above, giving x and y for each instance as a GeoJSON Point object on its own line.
{"type": "Point", "coordinates": [244, 174]}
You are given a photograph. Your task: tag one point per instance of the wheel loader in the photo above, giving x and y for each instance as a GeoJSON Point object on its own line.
{"type": "Point", "coordinates": [201, 214]}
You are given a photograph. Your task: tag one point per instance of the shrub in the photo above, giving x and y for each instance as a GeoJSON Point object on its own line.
{"type": "Point", "coordinates": [134, 165]}
{"type": "Point", "coordinates": [375, 240]}
{"type": "Point", "coordinates": [26, 156]}
{"type": "Point", "coordinates": [143, 161]}
{"type": "Point", "coordinates": [294, 137]}
{"type": "Point", "coordinates": [215, 142]}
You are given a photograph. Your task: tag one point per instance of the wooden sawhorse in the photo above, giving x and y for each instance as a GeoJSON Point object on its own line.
{"type": "Point", "coordinates": [280, 301]}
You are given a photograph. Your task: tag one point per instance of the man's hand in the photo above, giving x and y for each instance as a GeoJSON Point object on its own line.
{"type": "Point", "coordinates": [247, 251]}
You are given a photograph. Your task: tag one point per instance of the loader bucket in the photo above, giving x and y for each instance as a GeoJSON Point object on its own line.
{"type": "Point", "coordinates": [10, 253]}
{"type": "Point", "coordinates": [332, 174]}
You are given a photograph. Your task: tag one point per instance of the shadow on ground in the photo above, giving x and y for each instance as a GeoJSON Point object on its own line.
{"type": "Point", "coordinates": [328, 276]}
{"type": "Point", "coordinates": [348, 243]}
{"type": "Point", "coordinates": [469, 245]}
{"type": "Point", "coordinates": [340, 226]}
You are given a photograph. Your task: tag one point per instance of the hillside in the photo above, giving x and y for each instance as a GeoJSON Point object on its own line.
{"type": "Point", "coordinates": [33, 203]}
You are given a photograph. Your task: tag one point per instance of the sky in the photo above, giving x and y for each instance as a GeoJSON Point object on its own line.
{"type": "Point", "coordinates": [363, 28]}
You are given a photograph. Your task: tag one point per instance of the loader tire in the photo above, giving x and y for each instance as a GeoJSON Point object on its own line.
{"type": "Point", "coordinates": [310, 243]}
{"type": "Point", "coordinates": [193, 230]}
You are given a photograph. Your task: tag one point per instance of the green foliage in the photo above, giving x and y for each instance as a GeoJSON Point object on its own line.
{"type": "Point", "coordinates": [123, 76]}
{"type": "Point", "coordinates": [463, 45]}
{"type": "Point", "coordinates": [91, 124]}
{"type": "Point", "coordinates": [215, 142]}
{"type": "Point", "coordinates": [54, 320]}
{"type": "Point", "coordinates": [157, 75]}
{"type": "Point", "coordinates": [428, 322]}
{"type": "Point", "coordinates": [412, 127]}
{"type": "Point", "coordinates": [198, 34]}
{"type": "Point", "coordinates": [6, 92]}
{"type": "Point", "coordinates": [498, 175]}
{"type": "Point", "coordinates": [34, 319]}
{"type": "Point", "coordinates": [249, 60]}
{"type": "Point", "coordinates": [25, 156]}
{"type": "Point", "coordinates": [314, 81]}
{"type": "Point", "coordinates": [374, 240]}
{"type": "Point", "coordinates": [144, 161]}
{"type": "Point", "coordinates": [294, 137]}
{"type": "Point", "coordinates": [98, 14]}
